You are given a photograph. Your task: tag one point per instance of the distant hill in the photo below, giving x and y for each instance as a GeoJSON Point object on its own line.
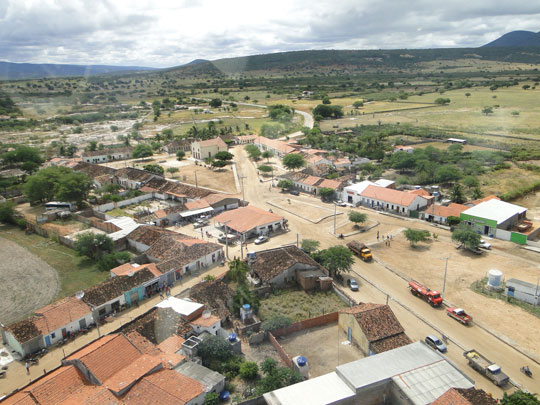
{"type": "Point", "coordinates": [196, 62]}
{"type": "Point", "coordinates": [13, 71]}
{"type": "Point", "coordinates": [350, 60]}
{"type": "Point", "coordinates": [523, 39]}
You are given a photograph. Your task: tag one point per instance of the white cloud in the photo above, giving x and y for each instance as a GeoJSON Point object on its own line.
{"type": "Point", "coordinates": [171, 32]}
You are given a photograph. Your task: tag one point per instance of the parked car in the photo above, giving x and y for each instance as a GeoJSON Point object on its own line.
{"type": "Point", "coordinates": [459, 315]}
{"type": "Point", "coordinates": [435, 343]}
{"type": "Point", "coordinates": [484, 245]}
{"type": "Point", "coordinates": [353, 284]}
{"type": "Point", "coordinates": [200, 223]}
{"type": "Point", "coordinates": [261, 239]}
{"type": "Point", "coordinates": [223, 239]}
{"type": "Point", "coordinates": [340, 203]}
{"type": "Point", "coordinates": [294, 192]}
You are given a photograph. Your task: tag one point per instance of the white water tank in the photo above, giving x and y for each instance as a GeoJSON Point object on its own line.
{"type": "Point", "coordinates": [494, 278]}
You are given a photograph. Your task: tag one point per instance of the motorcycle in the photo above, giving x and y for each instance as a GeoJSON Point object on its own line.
{"type": "Point", "coordinates": [525, 370]}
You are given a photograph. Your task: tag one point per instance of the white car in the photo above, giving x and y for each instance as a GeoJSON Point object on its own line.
{"type": "Point", "coordinates": [484, 245]}
{"type": "Point", "coordinates": [261, 239]}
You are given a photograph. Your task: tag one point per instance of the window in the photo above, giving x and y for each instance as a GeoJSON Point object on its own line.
{"type": "Point", "coordinates": [511, 289]}
{"type": "Point", "coordinates": [53, 335]}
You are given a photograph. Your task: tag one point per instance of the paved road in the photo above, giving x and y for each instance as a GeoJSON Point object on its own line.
{"type": "Point", "coordinates": [468, 337]}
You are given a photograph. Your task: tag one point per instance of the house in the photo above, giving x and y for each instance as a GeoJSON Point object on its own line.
{"type": "Point", "coordinates": [216, 296]}
{"type": "Point", "coordinates": [100, 174]}
{"type": "Point", "coordinates": [286, 265]}
{"type": "Point", "coordinates": [110, 295]}
{"type": "Point", "coordinates": [395, 201]}
{"type": "Point", "coordinates": [497, 218]}
{"type": "Point", "coordinates": [465, 396]}
{"type": "Point", "coordinates": [373, 328]}
{"type": "Point", "coordinates": [440, 213]}
{"type": "Point", "coordinates": [132, 268]}
{"type": "Point", "coordinates": [278, 148]}
{"type": "Point", "coordinates": [206, 149]}
{"type": "Point", "coordinates": [211, 380]}
{"type": "Point", "coordinates": [412, 374]}
{"type": "Point", "coordinates": [107, 155]}
{"type": "Point", "coordinates": [222, 202]}
{"type": "Point", "coordinates": [17, 174]}
{"type": "Point", "coordinates": [131, 178]}
{"type": "Point", "coordinates": [177, 145]}
{"type": "Point", "coordinates": [244, 139]}
{"type": "Point", "coordinates": [335, 185]}
{"type": "Point", "coordinates": [188, 310]}
{"type": "Point", "coordinates": [352, 193]}
{"type": "Point", "coordinates": [48, 325]}
{"type": "Point", "coordinates": [319, 170]}
{"type": "Point", "coordinates": [301, 181]}
{"type": "Point", "coordinates": [250, 221]}
{"type": "Point", "coordinates": [385, 183]}
{"type": "Point", "coordinates": [173, 190]}
{"type": "Point", "coordinates": [523, 291]}
{"type": "Point", "coordinates": [401, 148]}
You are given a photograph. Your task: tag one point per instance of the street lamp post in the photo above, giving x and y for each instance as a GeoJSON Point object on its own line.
{"type": "Point", "coordinates": [444, 280]}
{"type": "Point", "coordinates": [226, 239]}
{"type": "Point", "coordinates": [335, 213]}
{"type": "Point", "coordinates": [242, 182]}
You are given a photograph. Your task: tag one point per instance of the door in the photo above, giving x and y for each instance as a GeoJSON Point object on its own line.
{"type": "Point", "coordinates": [349, 334]}
{"type": "Point", "coordinates": [486, 230]}
{"type": "Point", "coordinates": [82, 323]}
{"type": "Point", "coordinates": [47, 340]}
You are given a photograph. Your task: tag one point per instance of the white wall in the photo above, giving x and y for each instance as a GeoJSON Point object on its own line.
{"type": "Point", "coordinates": [71, 327]}
{"type": "Point", "coordinates": [212, 329]}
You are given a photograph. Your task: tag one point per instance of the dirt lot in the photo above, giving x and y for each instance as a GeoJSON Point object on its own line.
{"type": "Point", "coordinates": [325, 347]}
{"type": "Point", "coordinates": [307, 210]}
{"type": "Point", "coordinates": [222, 179]}
{"type": "Point", "coordinates": [26, 282]}
{"type": "Point", "coordinates": [426, 264]}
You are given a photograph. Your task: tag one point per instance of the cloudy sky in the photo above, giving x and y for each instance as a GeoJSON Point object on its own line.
{"type": "Point", "coordinates": [163, 33]}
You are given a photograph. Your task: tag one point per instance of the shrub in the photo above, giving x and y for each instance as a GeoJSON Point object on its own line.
{"type": "Point", "coordinates": [249, 370]}
{"type": "Point", "coordinates": [276, 322]}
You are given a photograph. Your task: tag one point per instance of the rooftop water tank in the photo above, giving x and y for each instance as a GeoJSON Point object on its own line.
{"type": "Point", "coordinates": [494, 278]}
{"type": "Point", "coordinates": [301, 361]}
{"type": "Point", "coordinates": [232, 337]}
{"type": "Point", "coordinates": [301, 366]}
{"type": "Point", "coordinates": [246, 306]}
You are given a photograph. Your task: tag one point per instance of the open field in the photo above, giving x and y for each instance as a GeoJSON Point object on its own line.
{"type": "Point", "coordinates": [312, 211]}
{"type": "Point", "coordinates": [299, 305]}
{"type": "Point", "coordinates": [74, 273]}
{"type": "Point", "coordinates": [502, 181]}
{"type": "Point", "coordinates": [322, 358]}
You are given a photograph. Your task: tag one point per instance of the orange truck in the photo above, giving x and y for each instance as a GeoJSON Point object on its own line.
{"type": "Point", "coordinates": [431, 296]}
{"type": "Point", "coordinates": [361, 250]}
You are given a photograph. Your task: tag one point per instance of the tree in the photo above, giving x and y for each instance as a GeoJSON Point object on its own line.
{"type": "Point", "coordinates": [328, 111]}
{"type": "Point", "coordinates": [142, 150]}
{"type": "Point", "coordinates": [447, 173]}
{"type": "Point", "coordinates": [253, 152]}
{"type": "Point", "coordinates": [442, 101]}
{"type": "Point", "coordinates": [214, 348]}
{"type": "Point", "coordinates": [357, 104]}
{"type": "Point", "coordinates": [57, 182]}
{"type": "Point", "coordinates": [416, 235]}
{"type": "Point", "coordinates": [224, 155]}
{"type": "Point", "coordinates": [265, 168]}
{"type": "Point", "coordinates": [212, 398]}
{"type": "Point", "coordinates": [215, 103]}
{"type": "Point", "coordinates": [238, 270]}
{"type": "Point", "coordinates": [275, 377]}
{"type": "Point", "coordinates": [219, 164]}
{"type": "Point", "coordinates": [243, 295]}
{"type": "Point", "coordinates": [93, 245]}
{"type": "Point", "coordinates": [464, 234]}
{"type": "Point", "coordinates": [73, 186]}
{"type": "Point", "coordinates": [267, 155]}
{"type": "Point", "coordinates": [23, 154]}
{"type": "Point", "coordinates": [326, 193]}
{"type": "Point", "coordinates": [519, 398]}
{"type": "Point", "coordinates": [111, 260]}
{"type": "Point", "coordinates": [357, 218]}
{"type": "Point", "coordinates": [276, 322]}
{"type": "Point", "coordinates": [477, 193]}
{"type": "Point", "coordinates": [452, 220]}
{"type": "Point", "coordinates": [336, 259]}
{"type": "Point", "coordinates": [456, 195]}
{"type": "Point", "coordinates": [285, 184]}
{"type": "Point", "coordinates": [180, 155]}
{"type": "Point", "coordinates": [326, 100]}
{"type": "Point", "coordinates": [293, 161]}
{"type": "Point", "coordinates": [526, 86]}
{"type": "Point", "coordinates": [467, 94]}
{"type": "Point", "coordinates": [470, 181]}
{"type": "Point", "coordinates": [310, 245]}
{"type": "Point", "coordinates": [7, 212]}
{"type": "Point", "coordinates": [249, 370]}
{"type": "Point", "coordinates": [487, 110]}
{"type": "Point", "coordinates": [153, 168]}
{"type": "Point", "coordinates": [172, 170]}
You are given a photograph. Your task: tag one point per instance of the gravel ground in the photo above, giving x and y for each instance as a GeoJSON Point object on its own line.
{"type": "Point", "coordinates": [26, 282]}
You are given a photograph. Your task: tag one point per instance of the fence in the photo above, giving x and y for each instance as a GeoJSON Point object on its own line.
{"type": "Point", "coordinates": [307, 324]}
{"type": "Point", "coordinates": [123, 203]}
{"type": "Point", "coordinates": [343, 295]}
{"type": "Point", "coordinates": [282, 353]}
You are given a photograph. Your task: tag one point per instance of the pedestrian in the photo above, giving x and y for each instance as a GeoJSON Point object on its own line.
{"type": "Point", "coordinates": [161, 293]}
{"type": "Point", "coordinates": [377, 236]}
{"type": "Point", "coordinates": [44, 371]}
{"type": "Point", "coordinates": [27, 367]}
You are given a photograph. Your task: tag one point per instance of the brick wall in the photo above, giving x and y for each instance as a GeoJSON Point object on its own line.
{"type": "Point", "coordinates": [307, 324]}
{"type": "Point", "coordinates": [282, 353]}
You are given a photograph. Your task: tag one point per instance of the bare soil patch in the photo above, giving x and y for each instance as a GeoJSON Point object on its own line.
{"type": "Point", "coordinates": [307, 210]}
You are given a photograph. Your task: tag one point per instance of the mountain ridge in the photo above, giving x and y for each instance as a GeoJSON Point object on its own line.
{"type": "Point", "coordinates": [522, 39]}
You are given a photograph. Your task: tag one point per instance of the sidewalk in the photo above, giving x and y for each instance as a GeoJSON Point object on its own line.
{"type": "Point", "coordinates": [16, 376]}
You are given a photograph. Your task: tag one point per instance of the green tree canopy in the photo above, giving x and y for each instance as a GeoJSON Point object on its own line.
{"type": "Point", "coordinates": [416, 235]}
{"type": "Point", "coordinates": [336, 259]}
{"type": "Point", "coordinates": [224, 155]}
{"type": "Point", "coordinates": [328, 111]}
{"type": "Point", "coordinates": [215, 103]}
{"type": "Point", "coordinates": [153, 168]}
{"type": "Point", "coordinates": [357, 217]}
{"type": "Point", "coordinates": [214, 348]}
{"type": "Point", "coordinates": [456, 194]}
{"type": "Point", "coordinates": [267, 155]}
{"type": "Point", "coordinates": [253, 152]}
{"type": "Point", "coordinates": [487, 110]}
{"type": "Point", "coordinates": [520, 398]}
{"type": "Point", "coordinates": [358, 104]}
{"type": "Point", "coordinates": [57, 182]}
{"type": "Point", "coordinates": [293, 161]}
{"type": "Point", "coordinates": [285, 184]}
{"type": "Point", "coordinates": [142, 150]}
{"type": "Point", "coordinates": [464, 234]}
{"type": "Point", "coordinates": [7, 212]}
{"type": "Point", "coordinates": [111, 260]}
{"type": "Point", "coordinates": [219, 163]}
{"type": "Point", "coordinates": [326, 100]}
{"type": "Point", "coordinates": [238, 270]}
{"type": "Point", "coordinates": [249, 370]}
{"type": "Point", "coordinates": [23, 153]}
{"type": "Point", "coordinates": [180, 155]}
{"type": "Point", "coordinates": [93, 245]}
{"type": "Point", "coordinates": [265, 168]}
{"type": "Point", "coordinates": [442, 101]}
{"type": "Point", "coordinates": [276, 322]}
{"type": "Point", "coordinates": [310, 245]}
{"type": "Point", "coordinates": [326, 193]}
{"type": "Point", "coordinates": [243, 295]}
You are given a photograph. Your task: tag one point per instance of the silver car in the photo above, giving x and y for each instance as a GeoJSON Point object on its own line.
{"type": "Point", "coordinates": [435, 343]}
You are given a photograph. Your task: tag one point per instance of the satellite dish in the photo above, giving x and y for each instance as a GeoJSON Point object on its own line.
{"type": "Point", "coordinates": [206, 314]}
{"type": "Point", "coordinates": [131, 273]}
{"type": "Point", "coordinates": [79, 295]}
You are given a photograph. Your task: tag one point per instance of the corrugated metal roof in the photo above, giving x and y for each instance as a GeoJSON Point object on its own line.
{"type": "Point", "coordinates": [495, 210]}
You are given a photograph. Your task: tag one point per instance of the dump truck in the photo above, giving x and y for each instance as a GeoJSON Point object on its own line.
{"type": "Point", "coordinates": [431, 296]}
{"type": "Point", "coordinates": [486, 367]}
{"type": "Point", "coordinates": [361, 250]}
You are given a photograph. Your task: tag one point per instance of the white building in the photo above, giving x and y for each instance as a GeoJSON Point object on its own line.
{"type": "Point", "coordinates": [395, 201]}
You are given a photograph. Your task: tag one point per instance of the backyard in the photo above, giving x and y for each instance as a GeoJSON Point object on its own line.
{"type": "Point", "coordinates": [299, 305]}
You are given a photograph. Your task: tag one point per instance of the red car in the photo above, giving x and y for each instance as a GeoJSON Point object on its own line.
{"type": "Point", "coordinates": [459, 315]}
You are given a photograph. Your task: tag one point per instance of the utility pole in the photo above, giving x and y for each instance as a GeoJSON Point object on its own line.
{"type": "Point", "coordinates": [196, 186]}
{"type": "Point", "coordinates": [335, 213]}
{"type": "Point", "coordinates": [444, 281]}
{"type": "Point", "coordinates": [242, 182]}
{"type": "Point", "coordinates": [226, 239]}
{"type": "Point", "coordinates": [296, 240]}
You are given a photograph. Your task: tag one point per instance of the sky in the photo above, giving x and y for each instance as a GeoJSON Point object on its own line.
{"type": "Point", "coordinates": [166, 33]}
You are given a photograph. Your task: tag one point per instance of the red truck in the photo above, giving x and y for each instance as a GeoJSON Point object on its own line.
{"type": "Point", "coordinates": [433, 297]}
{"type": "Point", "coordinates": [459, 315]}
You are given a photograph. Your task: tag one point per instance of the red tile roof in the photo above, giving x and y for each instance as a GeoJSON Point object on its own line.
{"type": "Point", "coordinates": [465, 396]}
{"type": "Point", "coordinates": [197, 204]}
{"type": "Point", "coordinates": [172, 344]}
{"type": "Point", "coordinates": [212, 142]}
{"type": "Point", "coordinates": [388, 195]}
{"type": "Point", "coordinates": [244, 219]}
{"type": "Point", "coordinates": [451, 210]}
{"type": "Point", "coordinates": [487, 198]}
{"type": "Point", "coordinates": [60, 313]}
{"type": "Point", "coordinates": [311, 180]}
{"type": "Point", "coordinates": [280, 146]}
{"type": "Point", "coordinates": [20, 398]}
{"type": "Point", "coordinates": [333, 184]}
{"type": "Point", "coordinates": [53, 388]}
{"type": "Point", "coordinates": [421, 192]}
{"type": "Point", "coordinates": [127, 268]}
{"type": "Point", "coordinates": [129, 374]}
{"type": "Point", "coordinates": [206, 322]}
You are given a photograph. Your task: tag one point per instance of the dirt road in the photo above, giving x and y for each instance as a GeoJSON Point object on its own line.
{"type": "Point", "coordinates": [258, 194]}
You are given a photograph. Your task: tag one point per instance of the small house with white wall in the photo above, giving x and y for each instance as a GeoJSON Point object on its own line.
{"type": "Point", "coordinates": [394, 201]}
{"type": "Point", "coordinates": [523, 291]}
{"type": "Point", "coordinates": [206, 149]}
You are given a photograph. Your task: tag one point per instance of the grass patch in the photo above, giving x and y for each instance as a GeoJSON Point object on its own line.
{"type": "Point", "coordinates": [480, 287]}
{"type": "Point", "coordinates": [299, 305]}
{"type": "Point", "coordinates": [75, 272]}
{"type": "Point", "coordinates": [119, 212]}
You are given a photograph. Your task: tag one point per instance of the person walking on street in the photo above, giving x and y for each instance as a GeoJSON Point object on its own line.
{"type": "Point", "coordinates": [27, 367]}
